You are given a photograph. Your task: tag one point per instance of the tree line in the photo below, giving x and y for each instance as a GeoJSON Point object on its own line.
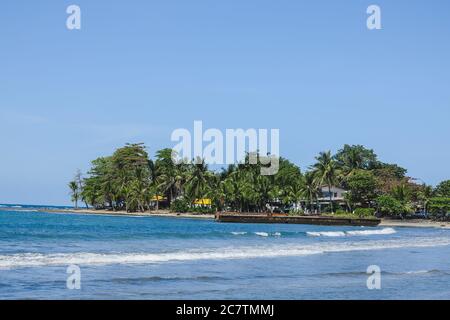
{"type": "Point", "coordinates": [130, 180]}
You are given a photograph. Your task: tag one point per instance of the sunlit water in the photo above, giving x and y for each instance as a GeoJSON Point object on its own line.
{"type": "Point", "coordinates": [174, 258]}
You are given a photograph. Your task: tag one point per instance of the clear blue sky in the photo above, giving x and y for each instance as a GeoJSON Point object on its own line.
{"type": "Point", "coordinates": [139, 69]}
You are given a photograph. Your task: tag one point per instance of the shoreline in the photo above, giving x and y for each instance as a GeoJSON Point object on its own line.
{"type": "Point", "coordinates": [415, 223]}
{"type": "Point", "coordinates": [159, 213]}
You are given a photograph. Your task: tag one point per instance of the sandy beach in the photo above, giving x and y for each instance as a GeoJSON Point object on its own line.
{"type": "Point", "coordinates": [414, 223]}
{"type": "Point", "coordinates": [166, 213]}
{"type": "Point", "coordinates": [159, 213]}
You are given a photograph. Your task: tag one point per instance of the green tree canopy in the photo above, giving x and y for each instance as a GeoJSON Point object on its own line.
{"type": "Point", "coordinates": [355, 157]}
{"type": "Point", "coordinates": [361, 188]}
{"type": "Point", "coordinates": [443, 189]}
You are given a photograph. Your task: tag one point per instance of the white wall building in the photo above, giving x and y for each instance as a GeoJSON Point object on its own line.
{"type": "Point", "coordinates": [337, 194]}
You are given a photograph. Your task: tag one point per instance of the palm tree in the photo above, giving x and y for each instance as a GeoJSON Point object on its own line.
{"type": "Point", "coordinates": [171, 177]}
{"type": "Point", "coordinates": [426, 194]}
{"type": "Point", "coordinates": [293, 193]}
{"type": "Point", "coordinates": [326, 172]}
{"type": "Point", "coordinates": [217, 191]}
{"type": "Point", "coordinates": [309, 188]}
{"type": "Point", "coordinates": [199, 180]}
{"type": "Point", "coordinates": [263, 191]}
{"type": "Point", "coordinates": [236, 184]}
{"type": "Point", "coordinates": [355, 157]}
{"type": "Point", "coordinates": [74, 192]}
{"type": "Point", "coordinates": [154, 175]}
{"type": "Point", "coordinates": [352, 161]}
{"type": "Point", "coordinates": [401, 193]}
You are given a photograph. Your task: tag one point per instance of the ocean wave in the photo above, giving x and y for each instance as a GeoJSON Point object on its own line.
{"type": "Point", "coordinates": [371, 232]}
{"type": "Point", "coordinates": [326, 234]}
{"type": "Point", "coordinates": [383, 231]}
{"type": "Point", "coordinates": [265, 251]}
{"type": "Point", "coordinates": [140, 280]}
{"type": "Point", "coordinates": [262, 234]}
{"type": "Point", "coordinates": [384, 272]}
{"type": "Point", "coordinates": [267, 234]}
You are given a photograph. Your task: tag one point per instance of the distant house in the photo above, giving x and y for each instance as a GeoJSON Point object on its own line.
{"type": "Point", "coordinates": [337, 197]}
{"type": "Point", "coordinates": [337, 194]}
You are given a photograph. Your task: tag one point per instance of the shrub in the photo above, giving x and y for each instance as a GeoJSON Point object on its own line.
{"type": "Point", "coordinates": [202, 209]}
{"type": "Point", "coordinates": [296, 212]}
{"type": "Point", "coordinates": [179, 205]}
{"type": "Point", "coordinates": [388, 205]}
{"type": "Point", "coordinates": [365, 212]}
{"type": "Point", "coordinates": [327, 208]}
{"type": "Point", "coordinates": [340, 212]}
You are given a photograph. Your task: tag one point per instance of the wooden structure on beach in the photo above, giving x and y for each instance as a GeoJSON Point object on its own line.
{"type": "Point", "coordinates": [280, 218]}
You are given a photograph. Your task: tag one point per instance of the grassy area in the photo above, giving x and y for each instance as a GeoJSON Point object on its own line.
{"type": "Point", "coordinates": [347, 215]}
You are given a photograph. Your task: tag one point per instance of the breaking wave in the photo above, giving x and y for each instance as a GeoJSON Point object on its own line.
{"type": "Point", "coordinates": [267, 251]}
{"type": "Point", "coordinates": [326, 234]}
{"type": "Point", "coordinates": [383, 231]}
{"type": "Point", "coordinates": [371, 232]}
{"type": "Point", "coordinates": [262, 234]}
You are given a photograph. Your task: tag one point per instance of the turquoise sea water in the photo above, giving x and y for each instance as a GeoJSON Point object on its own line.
{"type": "Point", "coordinates": [174, 258]}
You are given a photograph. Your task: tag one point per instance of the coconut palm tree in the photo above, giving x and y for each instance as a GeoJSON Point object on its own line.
{"type": "Point", "coordinates": [236, 185]}
{"type": "Point", "coordinates": [401, 193]}
{"type": "Point", "coordinates": [217, 191]}
{"type": "Point", "coordinates": [355, 157]}
{"type": "Point", "coordinates": [199, 181]}
{"type": "Point", "coordinates": [293, 193]}
{"type": "Point", "coordinates": [171, 176]}
{"type": "Point", "coordinates": [426, 194]}
{"type": "Point", "coordinates": [74, 192]}
{"type": "Point", "coordinates": [309, 188]}
{"type": "Point", "coordinates": [326, 172]}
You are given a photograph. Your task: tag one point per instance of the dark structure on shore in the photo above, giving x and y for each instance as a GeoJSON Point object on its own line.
{"type": "Point", "coordinates": [279, 218]}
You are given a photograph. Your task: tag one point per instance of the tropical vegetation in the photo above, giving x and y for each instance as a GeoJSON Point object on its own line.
{"type": "Point", "coordinates": [130, 180]}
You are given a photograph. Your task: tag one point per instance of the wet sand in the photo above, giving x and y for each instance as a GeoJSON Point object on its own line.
{"type": "Point", "coordinates": [158, 213]}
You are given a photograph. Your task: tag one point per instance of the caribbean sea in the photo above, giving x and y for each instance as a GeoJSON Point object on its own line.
{"type": "Point", "coordinates": [117, 257]}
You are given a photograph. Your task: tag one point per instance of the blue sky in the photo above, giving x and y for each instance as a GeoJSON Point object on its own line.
{"type": "Point", "coordinates": [137, 70]}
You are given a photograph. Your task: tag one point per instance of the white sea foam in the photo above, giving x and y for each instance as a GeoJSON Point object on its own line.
{"type": "Point", "coordinates": [237, 233]}
{"type": "Point", "coordinates": [418, 272]}
{"type": "Point", "coordinates": [262, 234]}
{"type": "Point", "coordinates": [383, 231]}
{"type": "Point", "coordinates": [326, 234]}
{"type": "Point", "coordinates": [371, 232]}
{"type": "Point", "coordinates": [266, 251]}
{"type": "Point", "coordinates": [277, 234]}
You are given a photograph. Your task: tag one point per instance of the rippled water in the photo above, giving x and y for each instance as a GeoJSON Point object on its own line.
{"type": "Point", "coordinates": [174, 258]}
